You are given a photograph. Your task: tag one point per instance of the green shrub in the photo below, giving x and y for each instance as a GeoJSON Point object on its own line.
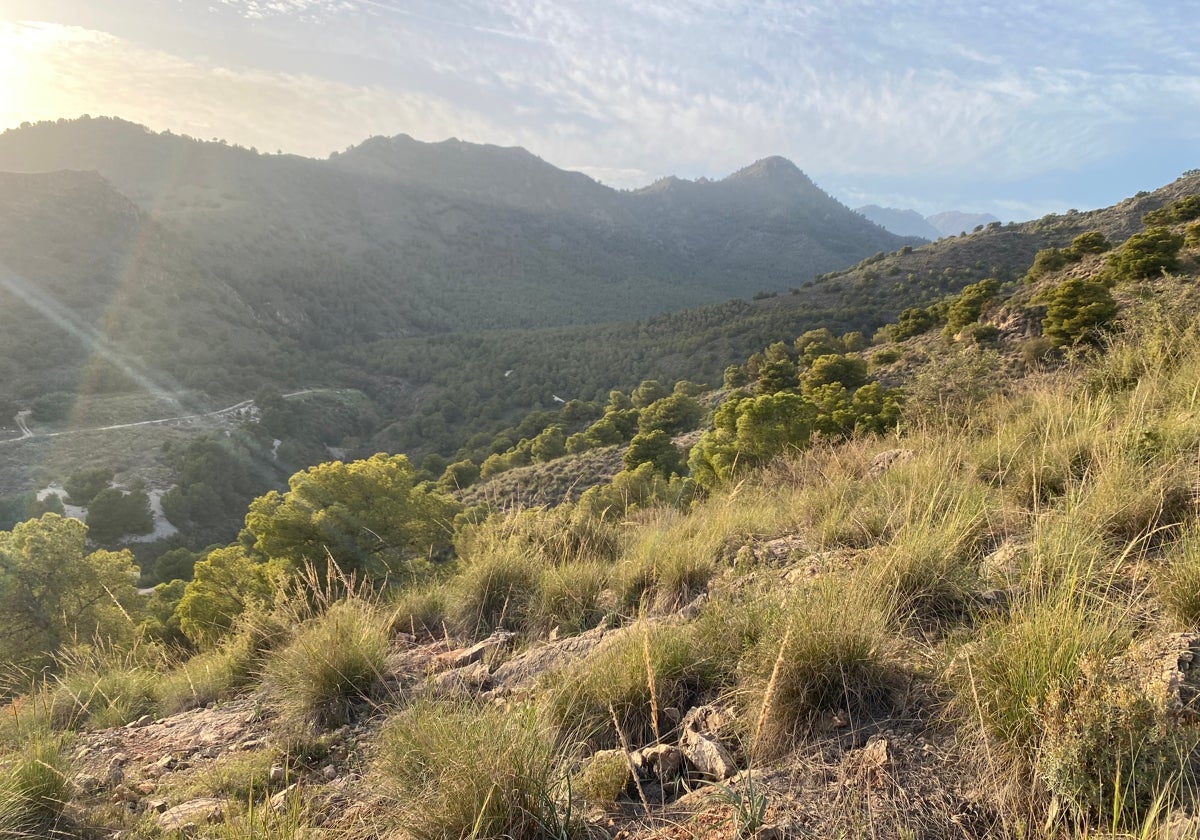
{"type": "Point", "coordinates": [1078, 311]}
{"type": "Point", "coordinates": [331, 664]}
{"type": "Point", "coordinates": [1110, 752]}
{"type": "Point", "coordinates": [1147, 254]}
{"type": "Point", "coordinates": [473, 771]}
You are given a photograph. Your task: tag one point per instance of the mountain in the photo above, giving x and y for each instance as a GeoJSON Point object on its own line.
{"type": "Point", "coordinates": [953, 222]}
{"type": "Point", "coordinates": [401, 238]}
{"type": "Point", "coordinates": [900, 222]}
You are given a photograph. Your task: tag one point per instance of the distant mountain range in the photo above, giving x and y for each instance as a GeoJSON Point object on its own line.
{"type": "Point", "coordinates": [912, 223]}
{"type": "Point", "coordinates": [408, 238]}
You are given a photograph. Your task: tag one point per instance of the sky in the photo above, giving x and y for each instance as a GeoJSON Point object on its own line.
{"type": "Point", "coordinates": [1014, 108]}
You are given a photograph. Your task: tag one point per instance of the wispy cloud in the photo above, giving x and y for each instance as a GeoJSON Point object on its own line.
{"type": "Point", "coordinates": [854, 91]}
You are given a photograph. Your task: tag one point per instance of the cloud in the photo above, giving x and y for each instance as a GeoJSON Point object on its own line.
{"type": "Point", "coordinates": [70, 71]}
{"type": "Point", "coordinates": [853, 91]}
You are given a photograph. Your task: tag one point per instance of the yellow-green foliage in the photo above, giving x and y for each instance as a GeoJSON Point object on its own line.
{"type": "Point", "coordinates": [672, 556]}
{"type": "Point", "coordinates": [493, 591]}
{"type": "Point", "coordinates": [472, 771]}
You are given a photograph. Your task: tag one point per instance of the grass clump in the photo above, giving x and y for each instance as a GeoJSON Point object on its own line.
{"type": "Point", "coordinates": [474, 771]}
{"type": "Point", "coordinates": [634, 677]}
{"type": "Point", "coordinates": [1007, 679]}
{"type": "Point", "coordinates": [831, 648]}
{"type": "Point", "coordinates": [101, 688]}
{"type": "Point", "coordinates": [420, 611]}
{"type": "Point", "coordinates": [34, 788]}
{"type": "Point", "coordinates": [331, 664]}
{"type": "Point", "coordinates": [233, 664]}
{"type": "Point", "coordinates": [493, 592]}
{"type": "Point", "coordinates": [1177, 580]}
{"type": "Point", "coordinates": [572, 597]}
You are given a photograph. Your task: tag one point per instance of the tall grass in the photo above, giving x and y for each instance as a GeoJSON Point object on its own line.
{"type": "Point", "coordinates": [474, 771]}
{"type": "Point", "coordinates": [832, 648]}
{"type": "Point", "coordinates": [331, 664]}
{"type": "Point", "coordinates": [34, 787]}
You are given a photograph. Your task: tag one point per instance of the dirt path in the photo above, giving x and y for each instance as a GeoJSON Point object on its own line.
{"type": "Point", "coordinates": [27, 433]}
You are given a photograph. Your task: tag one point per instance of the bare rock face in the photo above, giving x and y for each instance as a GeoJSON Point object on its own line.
{"type": "Point", "coordinates": [523, 670]}
{"type": "Point", "coordinates": [492, 645]}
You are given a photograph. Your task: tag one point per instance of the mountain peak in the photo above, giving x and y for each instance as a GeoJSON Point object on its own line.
{"type": "Point", "coordinates": [773, 168]}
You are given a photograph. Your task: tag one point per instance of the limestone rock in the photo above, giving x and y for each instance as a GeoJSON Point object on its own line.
{"type": "Point", "coordinates": [498, 641]}
{"type": "Point", "coordinates": [663, 762]}
{"type": "Point", "coordinates": [191, 814]}
{"type": "Point", "coordinates": [708, 756]}
{"type": "Point", "coordinates": [884, 461]}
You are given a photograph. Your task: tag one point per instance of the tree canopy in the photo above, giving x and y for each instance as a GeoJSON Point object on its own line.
{"type": "Point", "coordinates": [370, 516]}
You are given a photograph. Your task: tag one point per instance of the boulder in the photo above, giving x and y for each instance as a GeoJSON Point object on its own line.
{"type": "Point", "coordinates": [191, 814]}
{"type": "Point", "coordinates": [884, 461]}
{"type": "Point", "coordinates": [498, 641]}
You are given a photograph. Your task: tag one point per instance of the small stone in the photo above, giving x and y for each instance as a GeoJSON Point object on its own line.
{"type": "Point", "coordinates": [146, 788]}
{"type": "Point", "coordinates": [277, 774]}
{"type": "Point", "coordinates": [663, 762]}
{"type": "Point", "coordinates": [144, 720]}
{"type": "Point", "coordinates": [329, 772]}
{"type": "Point", "coordinates": [250, 744]}
{"type": "Point", "coordinates": [279, 801]}
{"type": "Point", "coordinates": [167, 762]}
{"type": "Point", "coordinates": [155, 806]}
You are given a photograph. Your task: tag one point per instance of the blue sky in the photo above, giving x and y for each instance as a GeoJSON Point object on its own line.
{"type": "Point", "coordinates": [1013, 108]}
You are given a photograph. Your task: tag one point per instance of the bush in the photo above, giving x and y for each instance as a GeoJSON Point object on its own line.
{"type": "Point", "coordinates": [1110, 752]}
{"type": "Point", "coordinates": [1078, 312]}
{"type": "Point", "coordinates": [330, 665]}
{"type": "Point", "coordinates": [474, 771]}
{"type": "Point", "coordinates": [603, 777]}
{"type": "Point", "coordinates": [1147, 254]}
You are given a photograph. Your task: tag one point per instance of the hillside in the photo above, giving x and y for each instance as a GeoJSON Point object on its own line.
{"type": "Point", "coordinates": [976, 617]}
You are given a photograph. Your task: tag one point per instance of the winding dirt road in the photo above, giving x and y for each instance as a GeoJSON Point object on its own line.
{"type": "Point", "coordinates": [28, 434]}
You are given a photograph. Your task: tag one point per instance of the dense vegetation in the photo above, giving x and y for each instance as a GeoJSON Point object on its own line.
{"type": "Point", "coordinates": [971, 603]}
